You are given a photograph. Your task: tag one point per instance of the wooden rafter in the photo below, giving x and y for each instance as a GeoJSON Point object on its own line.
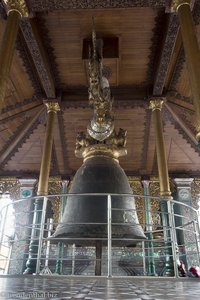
{"type": "Point", "coordinates": [20, 105]}
{"type": "Point", "coordinates": [181, 103]}
{"type": "Point", "coordinates": [12, 146]}
{"type": "Point", "coordinates": [6, 119]}
{"type": "Point", "coordinates": [188, 134]}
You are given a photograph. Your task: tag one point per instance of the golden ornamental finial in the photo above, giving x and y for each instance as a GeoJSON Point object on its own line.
{"type": "Point", "coordinates": [101, 137]}
{"type": "Point", "coordinates": [101, 125]}
{"type": "Point", "coordinates": [52, 106]}
{"type": "Point", "coordinates": [156, 104]}
{"type": "Point", "coordinates": [175, 4]}
{"type": "Point", "coordinates": [17, 5]}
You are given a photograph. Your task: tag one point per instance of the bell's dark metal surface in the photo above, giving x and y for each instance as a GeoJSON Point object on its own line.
{"type": "Point", "coordinates": [100, 149]}
{"type": "Point", "coordinates": [100, 174]}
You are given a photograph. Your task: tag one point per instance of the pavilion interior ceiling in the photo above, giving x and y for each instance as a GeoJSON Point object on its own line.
{"type": "Point", "coordinates": [143, 58]}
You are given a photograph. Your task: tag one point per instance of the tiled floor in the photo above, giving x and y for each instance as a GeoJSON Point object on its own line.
{"type": "Point", "coordinates": [96, 288]}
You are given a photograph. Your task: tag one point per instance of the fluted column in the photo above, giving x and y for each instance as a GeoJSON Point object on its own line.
{"type": "Point", "coordinates": [52, 109]}
{"type": "Point", "coordinates": [165, 193]}
{"type": "Point", "coordinates": [15, 10]}
{"type": "Point", "coordinates": [156, 106]}
{"type": "Point", "coordinates": [192, 53]}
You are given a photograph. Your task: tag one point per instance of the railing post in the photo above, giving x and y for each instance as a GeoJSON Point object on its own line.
{"type": "Point", "coordinates": [44, 207]}
{"type": "Point", "coordinates": [144, 258]}
{"type": "Point", "coordinates": [173, 236]}
{"type": "Point", "coordinates": [109, 229]}
{"type": "Point", "coordinates": [46, 269]}
{"type": "Point", "coordinates": [73, 258]}
{"type": "Point", "coordinates": [3, 222]}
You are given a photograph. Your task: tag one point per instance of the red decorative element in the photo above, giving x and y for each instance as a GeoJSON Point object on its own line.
{"type": "Point", "coordinates": [195, 271]}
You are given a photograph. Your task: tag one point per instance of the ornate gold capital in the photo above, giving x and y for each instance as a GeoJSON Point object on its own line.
{"type": "Point", "coordinates": [156, 104]}
{"type": "Point", "coordinates": [17, 5]}
{"type": "Point", "coordinates": [52, 106]}
{"type": "Point", "coordinates": [178, 3]}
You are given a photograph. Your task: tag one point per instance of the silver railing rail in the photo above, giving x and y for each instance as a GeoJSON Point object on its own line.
{"type": "Point", "coordinates": [167, 242]}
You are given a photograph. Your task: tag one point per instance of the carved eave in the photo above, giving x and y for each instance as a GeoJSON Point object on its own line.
{"type": "Point", "coordinates": [178, 53]}
{"type": "Point", "coordinates": [166, 54]}
{"type": "Point", "coordinates": [48, 5]}
{"type": "Point", "coordinates": [39, 57]}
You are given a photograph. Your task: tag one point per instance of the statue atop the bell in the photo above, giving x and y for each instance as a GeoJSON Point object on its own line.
{"type": "Point", "coordinates": [101, 126]}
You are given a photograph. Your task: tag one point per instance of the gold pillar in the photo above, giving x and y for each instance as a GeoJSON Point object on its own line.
{"type": "Point", "coordinates": [15, 10]}
{"type": "Point", "coordinates": [52, 109]}
{"type": "Point", "coordinates": [156, 106]}
{"type": "Point", "coordinates": [192, 53]}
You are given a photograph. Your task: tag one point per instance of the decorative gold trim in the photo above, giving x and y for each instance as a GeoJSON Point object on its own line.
{"type": "Point", "coordinates": [154, 179]}
{"type": "Point", "coordinates": [113, 147]}
{"type": "Point", "coordinates": [8, 179]}
{"type": "Point", "coordinates": [104, 150]}
{"type": "Point", "coordinates": [178, 3]}
{"type": "Point", "coordinates": [156, 103]}
{"type": "Point", "coordinates": [18, 6]}
{"type": "Point", "coordinates": [52, 106]}
{"type": "Point", "coordinates": [55, 179]}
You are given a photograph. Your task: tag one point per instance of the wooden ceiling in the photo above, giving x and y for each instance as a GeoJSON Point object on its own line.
{"type": "Point", "coordinates": [48, 64]}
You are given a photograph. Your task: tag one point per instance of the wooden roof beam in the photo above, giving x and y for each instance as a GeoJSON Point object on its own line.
{"type": "Point", "coordinates": [166, 55]}
{"type": "Point", "coordinates": [38, 54]}
{"type": "Point", "coordinates": [17, 141]}
{"type": "Point", "coordinates": [123, 97]}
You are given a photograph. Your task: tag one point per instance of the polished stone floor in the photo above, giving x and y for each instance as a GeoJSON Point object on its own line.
{"type": "Point", "coordinates": [98, 288]}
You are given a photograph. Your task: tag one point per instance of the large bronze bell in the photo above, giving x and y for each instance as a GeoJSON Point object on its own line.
{"type": "Point", "coordinates": [99, 174]}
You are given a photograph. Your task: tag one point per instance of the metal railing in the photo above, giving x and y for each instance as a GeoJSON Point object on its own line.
{"type": "Point", "coordinates": [168, 241]}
